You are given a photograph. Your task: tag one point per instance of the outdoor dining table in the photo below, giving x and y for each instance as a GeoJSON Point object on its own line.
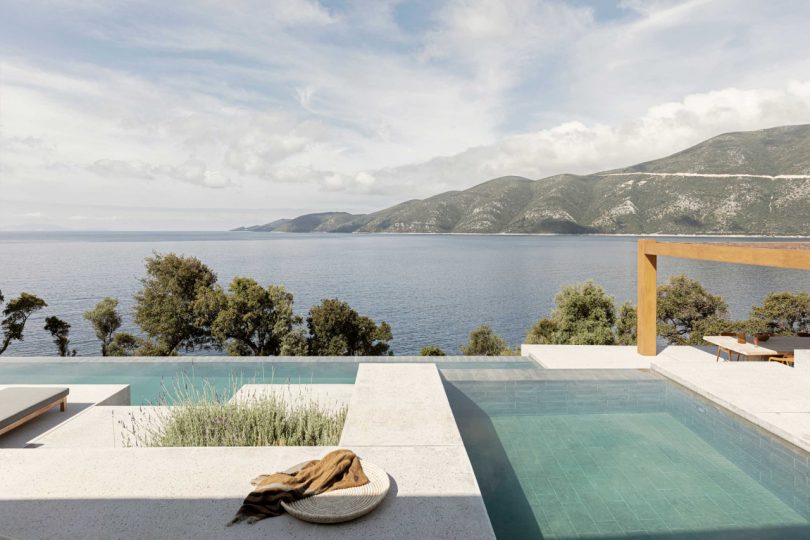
{"type": "Point", "coordinates": [775, 346]}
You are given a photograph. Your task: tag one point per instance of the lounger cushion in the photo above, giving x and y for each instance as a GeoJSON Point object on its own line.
{"type": "Point", "coordinates": [18, 402]}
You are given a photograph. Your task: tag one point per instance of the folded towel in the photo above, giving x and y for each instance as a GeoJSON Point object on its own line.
{"type": "Point", "coordinates": [338, 469]}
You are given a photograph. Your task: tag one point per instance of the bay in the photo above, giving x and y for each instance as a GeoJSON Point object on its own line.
{"type": "Point", "coordinates": [431, 289]}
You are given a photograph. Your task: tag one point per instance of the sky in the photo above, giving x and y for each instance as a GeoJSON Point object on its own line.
{"type": "Point", "coordinates": [201, 115]}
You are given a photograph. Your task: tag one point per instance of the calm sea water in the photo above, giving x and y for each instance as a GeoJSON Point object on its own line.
{"type": "Point", "coordinates": [431, 289]}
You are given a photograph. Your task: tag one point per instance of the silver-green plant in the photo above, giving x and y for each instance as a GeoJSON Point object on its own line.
{"type": "Point", "coordinates": [198, 415]}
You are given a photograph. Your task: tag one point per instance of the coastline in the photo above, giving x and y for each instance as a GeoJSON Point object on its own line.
{"type": "Point", "coordinates": [617, 235]}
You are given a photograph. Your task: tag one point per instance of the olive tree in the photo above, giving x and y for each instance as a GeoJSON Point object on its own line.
{"type": "Point", "coordinates": [782, 313]}
{"type": "Point", "coordinates": [484, 341]}
{"type": "Point", "coordinates": [584, 314]}
{"type": "Point", "coordinates": [106, 321]}
{"type": "Point", "coordinates": [252, 320]}
{"type": "Point", "coordinates": [627, 325]}
{"type": "Point", "coordinates": [126, 344]}
{"type": "Point", "coordinates": [335, 329]}
{"type": "Point", "coordinates": [165, 306]}
{"type": "Point", "coordinates": [60, 330]}
{"type": "Point", "coordinates": [687, 312]}
{"type": "Point", "coordinates": [15, 315]}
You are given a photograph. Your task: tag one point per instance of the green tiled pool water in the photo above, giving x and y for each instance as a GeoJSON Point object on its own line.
{"type": "Point", "coordinates": [637, 458]}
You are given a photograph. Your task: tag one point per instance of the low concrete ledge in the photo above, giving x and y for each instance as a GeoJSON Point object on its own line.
{"type": "Point", "coordinates": [803, 359]}
{"type": "Point", "coordinates": [400, 405]}
{"type": "Point", "coordinates": [586, 356]}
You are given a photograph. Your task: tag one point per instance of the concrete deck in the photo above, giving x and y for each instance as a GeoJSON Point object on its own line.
{"type": "Point", "coordinates": [193, 492]}
{"type": "Point", "coordinates": [399, 418]}
{"type": "Point", "coordinates": [400, 405]}
{"type": "Point", "coordinates": [586, 356]}
{"type": "Point", "coordinates": [770, 395]}
{"type": "Point", "coordinates": [107, 427]}
{"type": "Point", "coordinates": [81, 399]}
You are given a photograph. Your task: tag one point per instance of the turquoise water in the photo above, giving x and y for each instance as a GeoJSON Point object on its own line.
{"type": "Point", "coordinates": [639, 459]}
{"type": "Point", "coordinates": [148, 380]}
{"type": "Point", "coordinates": [431, 289]}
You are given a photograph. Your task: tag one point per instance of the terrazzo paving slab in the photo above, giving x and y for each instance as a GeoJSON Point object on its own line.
{"type": "Point", "coordinates": [586, 356]}
{"type": "Point", "coordinates": [194, 492]}
{"type": "Point", "coordinates": [81, 399]}
{"type": "Point", "coordinates": [399, 404]}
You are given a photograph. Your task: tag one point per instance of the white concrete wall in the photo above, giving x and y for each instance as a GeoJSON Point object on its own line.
{"type": "Point", "coordinates": [803, 359]}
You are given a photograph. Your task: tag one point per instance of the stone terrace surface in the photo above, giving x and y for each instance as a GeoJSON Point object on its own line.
{"type": "Point", "coordinates": [399, 419]}
{"type": "Point", "coordinates": [586, 356]}
{"type": "Point", "coordinates": [194, 492]}
{"type": "Point", "coordinates": [768, 394]}
{"type": "Point", "coordinates": [400, 404]}
{"type": "Point", "coordinates": [81, 399]}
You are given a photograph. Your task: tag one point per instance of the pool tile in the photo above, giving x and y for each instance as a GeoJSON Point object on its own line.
{"type": "Point", "coordinates": [644, 470]}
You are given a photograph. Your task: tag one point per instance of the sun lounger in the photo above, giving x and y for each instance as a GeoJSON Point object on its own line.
{"type": "Point", "coordinates": [20, 404]}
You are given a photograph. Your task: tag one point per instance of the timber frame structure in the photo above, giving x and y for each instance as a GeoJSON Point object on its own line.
{"type": "Point", "coordinates": [793, 255]}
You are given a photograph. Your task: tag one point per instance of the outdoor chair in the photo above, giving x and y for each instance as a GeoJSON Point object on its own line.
{"type": "Point", "coordinates": [788, 359]}
{"type": "Point", "coordinates": [20, 404]}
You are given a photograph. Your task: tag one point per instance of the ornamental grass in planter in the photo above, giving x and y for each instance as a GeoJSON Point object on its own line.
{"type": "Point", "coordinates": [198, 415]}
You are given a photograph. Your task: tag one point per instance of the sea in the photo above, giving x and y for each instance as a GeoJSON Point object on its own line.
{"type": "Point", "coordinates": [431, 289]}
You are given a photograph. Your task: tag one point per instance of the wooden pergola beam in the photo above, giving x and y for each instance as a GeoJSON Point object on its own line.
{"type": "Point", "coordinates": [778, 255]}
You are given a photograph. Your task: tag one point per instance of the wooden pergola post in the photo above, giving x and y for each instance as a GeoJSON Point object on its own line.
{"type": "Point", "coordinates": [793, 255]}
{"type": "Point", "coordinates": [647, 295]}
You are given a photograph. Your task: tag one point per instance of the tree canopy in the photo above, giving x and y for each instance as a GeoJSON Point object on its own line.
{"type": "Point", "coordinates": [335, 329]}
{"type": "Point", "coordinates": [15, 315]}
{"type": "Point", "coordinates": [584, 315]}
{"type": "Point", "coordinates": [782, 313]}
{"type": "Point", "coordinates": [105, 320]}
{"type": "Point", "coordinates": [627, 325]}
{"type": "Point", "coordinates": [252, 320]}
{"type": "Point", "coordinates": [484, 341]}
{"type": "Point", "coordinates": [60, 330]}
{"type": "Point", "coordinates": [165, 306]}
{"type": "Point", "coordinates": [431, 350]}
{"type": "Point", "coordinates": [687, 311]}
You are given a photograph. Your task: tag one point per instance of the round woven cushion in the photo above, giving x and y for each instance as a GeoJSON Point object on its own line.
{"type": "Point", "coordinates": [343, 504]}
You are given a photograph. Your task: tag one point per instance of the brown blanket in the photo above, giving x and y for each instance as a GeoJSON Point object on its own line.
{"type": "Point", "coordinates": [337, 470]}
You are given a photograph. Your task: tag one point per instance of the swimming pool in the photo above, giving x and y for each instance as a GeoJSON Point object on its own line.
{"type": "Point", "coordinates": [146, 377]}
{"type": "Point", "coordinates": [637, 457]}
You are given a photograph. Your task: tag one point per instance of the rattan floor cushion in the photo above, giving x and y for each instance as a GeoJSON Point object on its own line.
{"type": "Point", "coordinates": [343, 504]}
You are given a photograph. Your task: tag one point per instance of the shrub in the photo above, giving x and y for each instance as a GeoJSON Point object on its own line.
{"type": "Point", "coordinates": [627, 325]}
{"type": "Point", "coordinates": [485, 342]}
{"type": "Point", "coordinates": [431, 350]}
{"type": "Point", "coordinates": [584, 315]}
{"type": "Point", "coordinates": [201, 416]}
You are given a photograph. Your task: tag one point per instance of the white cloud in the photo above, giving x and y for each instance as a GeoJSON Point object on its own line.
{"type": "Point", "coordinates": [575, 147]}
{"type": "Point", "coordinates": [350, 107]}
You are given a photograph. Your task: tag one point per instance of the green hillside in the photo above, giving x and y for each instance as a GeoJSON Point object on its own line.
{"type": "Point", "coordinates": [755, 182]}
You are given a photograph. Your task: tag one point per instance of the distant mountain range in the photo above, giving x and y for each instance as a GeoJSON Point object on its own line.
{"type": "Point", "coordinates": [753, 182]}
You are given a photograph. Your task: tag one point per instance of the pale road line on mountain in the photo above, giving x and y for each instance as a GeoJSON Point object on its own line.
{"type": "Point", "coordinates": [714, 175]}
